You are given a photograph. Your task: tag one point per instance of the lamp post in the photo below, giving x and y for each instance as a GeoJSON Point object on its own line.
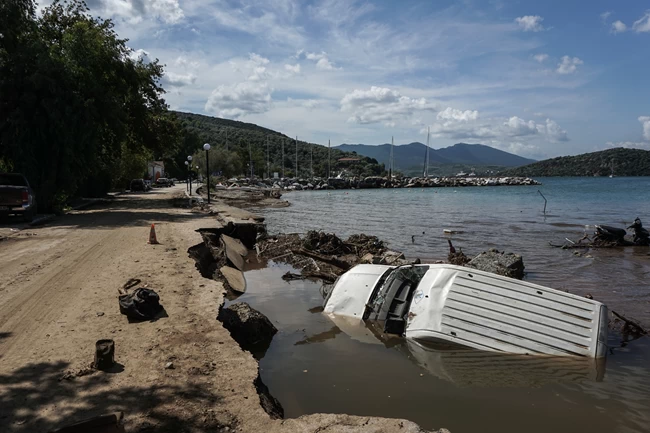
{"type": "Point", "coordinates": [206, 147]}
{"type": "Point", "coordinates": [187, 181]}
{"type": "Point", "coordinates": [189, 173]}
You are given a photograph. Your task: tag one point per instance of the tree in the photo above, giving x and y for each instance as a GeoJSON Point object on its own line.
{"type": "Point", "coordinates": [77, 114]}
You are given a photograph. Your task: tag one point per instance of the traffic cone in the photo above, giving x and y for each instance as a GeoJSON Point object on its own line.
{"type": "Point", "coordinates": [152, 235]}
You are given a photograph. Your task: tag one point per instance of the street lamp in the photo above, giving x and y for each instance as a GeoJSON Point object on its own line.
{"type": "Point", "coordinates": [189, 173]}
{"type": "Point", "coordinates": [206, 147]}
{"type": "Point", "coordinates": [187, 183]}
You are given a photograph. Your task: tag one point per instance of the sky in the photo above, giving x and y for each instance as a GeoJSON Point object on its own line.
{"type": "Point", "coordinates": [539, 79]}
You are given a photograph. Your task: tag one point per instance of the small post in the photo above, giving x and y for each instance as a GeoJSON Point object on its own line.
{"type": "Point", "coordinates": [545, 201]}
{"type": "Point", "coordinates": [104, 354]}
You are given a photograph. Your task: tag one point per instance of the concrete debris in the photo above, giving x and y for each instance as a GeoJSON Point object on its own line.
{"type": "Point", "coordinates": [250, 328]}
{"type": "Point", "coordinates": [506, 264]}
{"type": "Point", "coordinates": [234, 278]}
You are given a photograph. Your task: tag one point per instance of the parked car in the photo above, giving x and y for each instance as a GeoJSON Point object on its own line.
{"type": "Point", "coordinates": [472, 308]}
{"type": "Point", "coordinates": [139, 185]}
{"type": "Point", "coordinates": [16, 196]}
{"type": "Point", "coordinates": [163, 181]}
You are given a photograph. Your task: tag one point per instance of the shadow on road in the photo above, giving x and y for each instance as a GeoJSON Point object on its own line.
{"type": "Point", "coordinates": [138, 209]}
{"type": "Point", "coordinates": [27, 391]}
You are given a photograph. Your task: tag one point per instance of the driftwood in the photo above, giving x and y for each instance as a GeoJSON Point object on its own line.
{"type": "Point", "coordinates": [330, 260]}
{"type": "Point", "coordinates": [631, 324]}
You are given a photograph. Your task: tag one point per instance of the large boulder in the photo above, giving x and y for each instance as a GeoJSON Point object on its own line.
{"type": "Point", "coordinates": [506, 264]}
{"type": "Point", "coordinates": [250, 328]}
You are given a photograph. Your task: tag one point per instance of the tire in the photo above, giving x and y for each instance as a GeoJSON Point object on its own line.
{"type": "Point", "coordinates": [28, 216]}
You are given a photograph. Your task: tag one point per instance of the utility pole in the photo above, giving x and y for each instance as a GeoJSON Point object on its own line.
{"type": "Point", "coordinates": [296, 157]}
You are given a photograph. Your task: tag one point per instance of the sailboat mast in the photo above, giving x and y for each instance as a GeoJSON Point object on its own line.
{"type": "Point", "coordinates": [311, 157]}
{"type": "Point", "coordinates": [426, 172]}
{"type": "Point", "coordinates": [329, 159]}
{"type": "Point", "coordinates": [296, 157]}
{"type": "Point", "coordinates": [250, 158]}
{"type": "Point", "coordinates": [283, 140]}
{"type": "Point", "coordinates": [390, 161]}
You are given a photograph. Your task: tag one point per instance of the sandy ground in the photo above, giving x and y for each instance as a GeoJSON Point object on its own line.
{"type": "Point", "coordinates": [58, 296]}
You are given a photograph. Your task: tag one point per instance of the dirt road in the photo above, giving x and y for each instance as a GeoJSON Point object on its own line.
{"type": "Point", "coordinates": [58, 295]}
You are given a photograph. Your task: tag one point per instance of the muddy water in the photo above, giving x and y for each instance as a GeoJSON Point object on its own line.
{"type": "Point", "coordinates": [316, 365]}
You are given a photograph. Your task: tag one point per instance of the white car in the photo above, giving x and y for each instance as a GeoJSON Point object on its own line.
{"type": "Point", "coordinates": [446, 303]}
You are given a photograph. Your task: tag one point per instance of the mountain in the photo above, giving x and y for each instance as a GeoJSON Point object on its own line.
{"type": "Point", "coordinates": [409, 158]}
{"type": "Point", "coordinates": [625, 162]}
{"type": "Point", "coordinates": [247, 141]}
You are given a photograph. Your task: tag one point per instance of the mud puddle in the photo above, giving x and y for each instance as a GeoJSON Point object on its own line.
{"type": "Point", "coordinates": [315, 365]}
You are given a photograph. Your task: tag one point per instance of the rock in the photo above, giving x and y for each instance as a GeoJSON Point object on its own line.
{"type": "Point", "coordinates": [169, 366]}
{"type": "Point", "coordinates": [234, 278]}
{"type": "Point", "coordinates": [393, 258]}
{"type": "Point", "coordinates": [250, 328]}
{"type": "Point", "coordinates": [368, 258]}
{"type": "Point", "coordinates": [509, 265]}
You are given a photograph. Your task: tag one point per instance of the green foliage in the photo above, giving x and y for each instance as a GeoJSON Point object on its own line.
{"type": "Point", "coordinates": [249, 141]}
{"type": "Point", "coordinates": [77, 115]}
{"type": "Point", "coordinates": [625, 162]}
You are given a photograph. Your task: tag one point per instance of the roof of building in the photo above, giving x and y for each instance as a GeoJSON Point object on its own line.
{"type": "Point", "coordinates": [348, 159]}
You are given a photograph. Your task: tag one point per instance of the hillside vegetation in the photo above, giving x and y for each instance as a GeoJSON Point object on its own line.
{"type": "Point", "coordinates": [234, 143]}
{"type": "Point", "coordinates": [625, 162]}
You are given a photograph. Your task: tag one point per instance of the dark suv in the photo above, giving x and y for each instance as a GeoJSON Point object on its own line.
{"type": "Point", "coordinates": [139, 185]}
{"type": "Point", "coordinates": [16, 196]}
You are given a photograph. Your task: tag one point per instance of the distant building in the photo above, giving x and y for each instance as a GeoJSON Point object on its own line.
{"type": "Point", "coordinates": [348, 159]}
{"type": "Point", "coordinates": [156, 170]}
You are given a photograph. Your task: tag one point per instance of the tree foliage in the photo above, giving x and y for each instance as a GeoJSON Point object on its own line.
{"type": "Point", "coordinates": [77, 114]}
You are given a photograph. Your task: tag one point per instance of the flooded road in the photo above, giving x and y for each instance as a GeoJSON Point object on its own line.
{"type": "Point", "coordinates": [313, 365]}
{"type": "Point", "coordinates": [316, 365]}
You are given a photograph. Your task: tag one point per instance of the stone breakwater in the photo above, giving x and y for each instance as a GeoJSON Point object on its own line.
{"type": "Point", "coordinates": [381, 182]}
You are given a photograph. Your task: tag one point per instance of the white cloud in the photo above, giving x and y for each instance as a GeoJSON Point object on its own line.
{"type": "Point", "coordinates": [178, 80]}
{"type": "Point", "coordinates": [239, 100]}
{"type": "Point", "coordinates": [642, 25]}
{"type": "Point", "coordinates": [618, 26]}
{"type": "Point", "coordinates": [509, 132]}
{"type": "Point", "coordinates": [140, 55]}
{"type": "Point", "coordinates": [322, 61]}
{"type": "Point", "coordinates": [629, 144]}
{"type": "Point", "coordinates": [293, 69]}
{"type": "Point", "coordinates": [382, 105]}
{"type": "Point", "coordinates": [568, 65]}
{"type": "Point", "coordinates": [458, 115]}
{"type": "Point", "coordinates": [645, 121]}
{"type": "Point", "coordinates": [530, 23]}
{"type": "Point", "coordinates": [517, 127]}
{"type": "Point", "coordinates": [540, 57]}
{"type": "Point", "coordinates": [554, 133]}
{"type": "Point", "coordinates": [257, 64]}
{"type": "Point", "coordinates": [135, 11]}
{"type": "Point", "coordinates": [604, 16]}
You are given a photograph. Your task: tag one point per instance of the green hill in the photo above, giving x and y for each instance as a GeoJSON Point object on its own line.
{"type": "Point", "coordinates": [244, 140]}
{"type": "Point", "coordinates": [624, 162]}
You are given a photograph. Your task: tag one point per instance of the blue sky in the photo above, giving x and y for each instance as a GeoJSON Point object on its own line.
{"type": "Point", "coordinates": [539, 79]}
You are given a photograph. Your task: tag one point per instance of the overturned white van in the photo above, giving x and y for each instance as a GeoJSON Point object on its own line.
{"type": "Point", "coordinates": [446, 303]}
